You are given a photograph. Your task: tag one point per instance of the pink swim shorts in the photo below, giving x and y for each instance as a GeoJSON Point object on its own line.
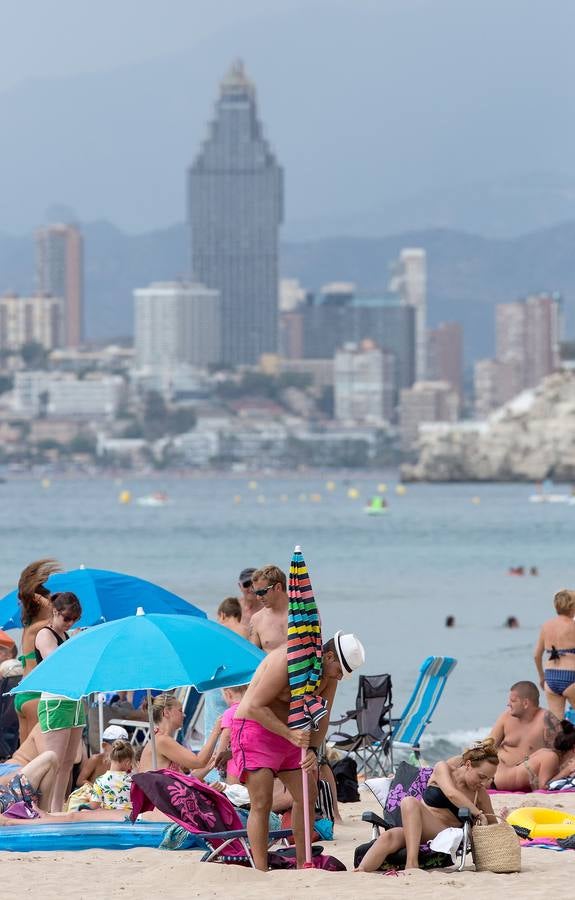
{"type": "Point", "coordinates": [254, 747]}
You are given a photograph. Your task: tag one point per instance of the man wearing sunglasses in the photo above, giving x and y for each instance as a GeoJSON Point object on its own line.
{"type": "Point", "coordinates": [249, 602]}
{"type": "Point", "coordinates": [268, 628]}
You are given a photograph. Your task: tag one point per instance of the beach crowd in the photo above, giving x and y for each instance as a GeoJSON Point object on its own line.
{"type": "Point", "coordinates": [249, 751]}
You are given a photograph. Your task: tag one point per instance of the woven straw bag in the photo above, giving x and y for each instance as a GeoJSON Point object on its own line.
{"type": "Point", "coordinates": [496, 848]}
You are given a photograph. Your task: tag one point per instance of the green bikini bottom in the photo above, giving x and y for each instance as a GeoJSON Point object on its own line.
{"type": "Point", "coordinates": [21, 699]}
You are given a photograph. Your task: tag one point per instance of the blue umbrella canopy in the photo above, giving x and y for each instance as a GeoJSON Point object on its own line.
{"type": "Point", "coordinates": [104, 596]}
{"type": "Point", "coordinates": [146, 651]}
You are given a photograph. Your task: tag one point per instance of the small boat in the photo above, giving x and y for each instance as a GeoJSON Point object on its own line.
{"type": "Point", "coordinates": [158, 498]}
{"type": "Point", "coordinates": [377, 507]}
{"type": "Point", "coordinates": [551, 498]}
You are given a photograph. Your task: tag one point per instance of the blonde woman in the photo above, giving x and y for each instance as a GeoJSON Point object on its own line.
{"type": "Point", "coordinates": [458, 782]}
{"type": "Point", "coordinates": [168, 715]}
{"type": "Point", "coordinates": [557, 639]}
{"type": "Point", "coordinates": [36, 613]}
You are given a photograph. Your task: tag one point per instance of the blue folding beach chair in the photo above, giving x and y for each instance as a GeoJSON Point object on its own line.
{"type": "Point", "coordinates": [408, 729]}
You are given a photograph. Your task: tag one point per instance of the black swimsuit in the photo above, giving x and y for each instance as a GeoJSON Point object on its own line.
{"type": "Point", "coordinates": [434, 796]}
{"type": "Point", "coordinates": [59, 640]}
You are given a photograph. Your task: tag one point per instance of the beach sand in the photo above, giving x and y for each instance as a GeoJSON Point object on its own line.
{"type": "Point", "coordinates": [178, 874]}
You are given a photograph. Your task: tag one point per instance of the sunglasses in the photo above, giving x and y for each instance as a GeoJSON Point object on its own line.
{"type": "Point", "coordinates": [68, 619]}
{"type": "Point", "coordinates": [247, 584]}
{"type": "Point", "coordinates": [263, 591]}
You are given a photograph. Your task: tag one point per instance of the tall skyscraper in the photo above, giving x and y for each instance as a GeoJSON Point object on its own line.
{"type": "Point", "coordinates": [235, 210]}
{"type": "Point", "coordinates": [528, 334]}
{"type": "Point", "coordinates": [410, 282]}
{"type": "Point", "coordinates": [59, 272]}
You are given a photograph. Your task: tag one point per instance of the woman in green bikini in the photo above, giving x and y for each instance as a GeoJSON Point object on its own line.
{"type": "Point", "coordinates": [61, 719]}
{"type": "Point", "coordinates": [36, 612]}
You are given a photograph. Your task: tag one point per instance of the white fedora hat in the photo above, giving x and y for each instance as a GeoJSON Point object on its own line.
{"type": "Point", "coordinates": [349, 651]}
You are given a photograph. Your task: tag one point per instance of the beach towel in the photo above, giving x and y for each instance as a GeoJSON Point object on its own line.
{"type": "Point", "coordinates": [188, 802]}
{"type": "Point", "coordinates": [409, 781]}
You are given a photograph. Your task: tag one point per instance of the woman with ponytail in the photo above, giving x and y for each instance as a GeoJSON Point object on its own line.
{"type": "Point", "coordinates": [35, 612]}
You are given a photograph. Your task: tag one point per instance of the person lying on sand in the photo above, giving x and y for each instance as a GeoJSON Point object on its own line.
{"type": "Point", "coordinates": [547, 764]}
{"type": "Point", "coordinates": [33, 783]}
{"type": "Point", "coordinates": [168, 716]}
{"type": "Point", "coordinates": [521, 730]}
{"type": "Point", "coordinates": [458, 782]}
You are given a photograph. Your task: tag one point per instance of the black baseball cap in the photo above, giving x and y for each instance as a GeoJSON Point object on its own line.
{"type": "Point", "coordinates": [246, 575]}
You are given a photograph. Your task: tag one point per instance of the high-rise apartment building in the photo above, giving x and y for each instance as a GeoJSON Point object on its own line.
{"type": "Point", "coordinates": [364, 384]}
{"type": "Point", "coordinates": [177, 322]}
{"type": "Point", "coordinates": [410, 282]}
{"type": "Point", "coordinates": [24, 320]}
{"type": "Point", "coordinates": [528, 333]}
{"type": "Point", "coordinates": [494, 383]}
{"type": "Point", "coordinates": [59, 272]}
{"type": "Point", "coordinates": [445, 355]}
{"type": "Point", "coordinates": [235, 210]}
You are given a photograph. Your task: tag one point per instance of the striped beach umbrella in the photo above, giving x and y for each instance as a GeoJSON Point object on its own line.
{"type": "Point", "coordinates": [304, 651]}
{"type": "Point", "coordinates": [304, 655]}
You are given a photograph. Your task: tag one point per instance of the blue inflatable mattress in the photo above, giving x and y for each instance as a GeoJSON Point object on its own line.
{"type": "Point", "coordinates": [81, 836]}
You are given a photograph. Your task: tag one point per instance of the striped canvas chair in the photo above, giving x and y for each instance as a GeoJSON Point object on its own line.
{"type": "Point", "coordinates": [408, 729]}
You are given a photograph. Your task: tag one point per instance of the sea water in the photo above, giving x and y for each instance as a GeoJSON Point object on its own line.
{"type": "Point", "coordinates": [392, 579]}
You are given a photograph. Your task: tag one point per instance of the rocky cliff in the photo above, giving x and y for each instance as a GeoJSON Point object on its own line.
{"type": "Point", "coordinates": [529, 439]}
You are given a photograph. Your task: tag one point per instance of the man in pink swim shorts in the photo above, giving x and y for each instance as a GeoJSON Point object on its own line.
{"type": "Point", "coordinates": [263, 746]}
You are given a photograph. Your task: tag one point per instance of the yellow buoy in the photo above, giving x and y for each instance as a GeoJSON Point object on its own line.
{"type": "Point", "coordinates": [400, 490]}
{"type": "Point", "coordinates": [476, 500]}
{"type": "Point", "coordinates": [353, 493]}
{"type": "Point", "coordinates": [237, 498]}
{"type": "Point", "coordinates": [253, 485]}
{"type": "Point", "coordinates": [284, 498]}
{"type": "Point", "coordinates": [330, 485]}
{"type": "Point", "coordinates": [382, 488]}
{"type": "Point", "coordinates": [46, 482]}
{"type": "Point", "coordinates": [315, 498]}
{"type": "Point", "coordinates": [125, 497]}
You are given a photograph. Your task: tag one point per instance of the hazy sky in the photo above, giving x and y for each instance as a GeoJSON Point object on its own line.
{"type": "Point", "coordinates": [369, 105]}
{"type": "Point", "coordinates": [70, 36]}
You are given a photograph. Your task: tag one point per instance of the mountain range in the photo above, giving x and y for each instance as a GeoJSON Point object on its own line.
{"type": "Point", "coordinates": [467, 274]}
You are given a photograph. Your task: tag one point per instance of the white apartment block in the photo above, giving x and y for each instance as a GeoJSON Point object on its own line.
{"type": "Point", "coordinates": [177, 322]}
{"type": "Point", "coordinates": [61, 395]}
{"type": "Point", "coordinates": [426, 401]}
{"type": "Point", "coordinates": [364, 383]}
{"type": "Point", "coordinates": [38, 318]}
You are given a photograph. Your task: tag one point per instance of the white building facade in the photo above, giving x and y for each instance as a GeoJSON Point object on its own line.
{"type": "Point", "coordinates": [38, 319]}
{"type": "Point", "coordinates": [364, 383]}
{"type": "Point", "coordinates": [62, 395]}
{"type": "Point", "coordinates": [177, 322]}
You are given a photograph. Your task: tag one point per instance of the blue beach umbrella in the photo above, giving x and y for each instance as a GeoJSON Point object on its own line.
{"type": "Point", "coordinates": [146, 652]}
{"type": "Point", "coordinates": [104, 596]}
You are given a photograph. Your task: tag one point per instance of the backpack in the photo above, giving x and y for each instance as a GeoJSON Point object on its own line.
{"type": "Point", "coordinates": [345, 774]}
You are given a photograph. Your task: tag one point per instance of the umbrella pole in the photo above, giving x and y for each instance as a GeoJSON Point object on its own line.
{"type": "Point", "coordinates": [101, 716]}
{"type": "Point", "coordinates": [152, 732]}
{"type": "Point", "coordinates": [306, 821]}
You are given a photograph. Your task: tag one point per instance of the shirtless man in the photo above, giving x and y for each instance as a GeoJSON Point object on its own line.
{"type": "Point", "coordinates": [521, 730]}
{"type": "Point", "coordinates": [268, 628]}
{"type": "Point", "coordinates": [264, 747]}
{"type": "Point", "coordinates": [249, 602]}
{"type": "Point", "coordinates": [229, 614]}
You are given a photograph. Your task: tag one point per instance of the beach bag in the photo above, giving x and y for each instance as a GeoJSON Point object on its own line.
{"type": "Point", "coordinates": [324, 802]}
{"type": "Point", "coordinates": [496, 848]}
{"type": "Point", "coordinates": [345, 774]}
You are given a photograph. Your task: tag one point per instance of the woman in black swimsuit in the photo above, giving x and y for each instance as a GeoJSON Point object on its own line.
{"type": "Point", "coordinates": [458, 782]}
